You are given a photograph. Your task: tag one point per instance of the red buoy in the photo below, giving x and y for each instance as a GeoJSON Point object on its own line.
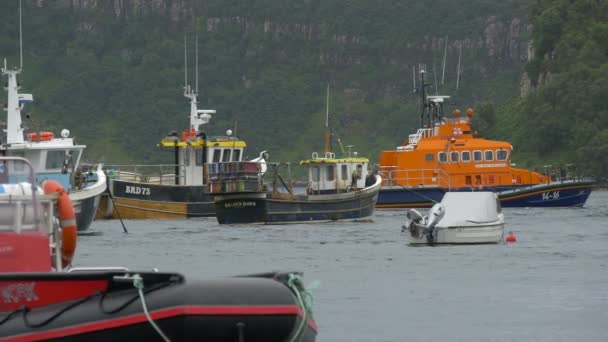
{"type": "Point", "coordinates": [511, 237]}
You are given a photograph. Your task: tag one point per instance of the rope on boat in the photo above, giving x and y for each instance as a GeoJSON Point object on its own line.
{"type": "Point", "coordinates": [305, 301]}
{"type": "Point", "coordinates": [138, 283]}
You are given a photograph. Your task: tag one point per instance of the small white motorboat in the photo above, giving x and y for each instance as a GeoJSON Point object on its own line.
{"type": "Point", "coordinates": [460, 218]}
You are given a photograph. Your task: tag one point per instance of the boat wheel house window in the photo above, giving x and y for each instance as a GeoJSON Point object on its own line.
{"type": "Point", "coordinates": [236, 156]}
{"type": "Point", "coordinates": [454, 156]}
{"type": "Point", "coordinates": [429, 157]}
{"type": "Point", "coordinates": [315, 173]}
{"type": "Point", "coordinates": [442, 157]}
{"type": "Point", "coordinates": [477, 156]}
{"type": "Point", "coordinates": [344, 172]}
{"type": "Point", "coordinates": [198, 157]}
{"type": "Point", "coordinates": [187, 157]}
{"type": "Point", "coordinates": [489, 155]}
{"type": "Point", "coordinates": [226, 156]}
{"type": "Point", "coordinates": [216, 155]}
{"type": "Point", "coordinates": [502, 154]}
{"type": "Point", "coordinates": [466, 156]}
{"type": "Point", "coordinates": [330, 173]}
{"type": "Point", "coordinates": [54, 159]}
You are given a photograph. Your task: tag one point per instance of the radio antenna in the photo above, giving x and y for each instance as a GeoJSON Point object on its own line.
{"type": "Point", "coordinates": [458, 73]}
{"type": "Point", "coordinates": [445, 52]}
{"type": "Point", "coordinates": [20, 39]}
{"type": "Point", "coordinates": [414, 76]}
{"type": "Point", "coordinates": [185, 65]}
{"type": "Point", "coordinates": [435, 75]}
{"type": "Point", "coordinates": [196, 62]}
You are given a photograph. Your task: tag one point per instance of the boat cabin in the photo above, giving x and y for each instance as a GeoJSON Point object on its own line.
{"type": "Point", "coordinates": [54, 158]}
{"type": "Point", "coordinates": [194, 149]}
{"type": "Point", "coordinates": [328, 174]}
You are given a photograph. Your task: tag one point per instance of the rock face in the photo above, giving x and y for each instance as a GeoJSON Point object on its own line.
{"type": "Point", "coordinates": [504, 39]}
{"type": "Point", "coordinates": [175, 10]}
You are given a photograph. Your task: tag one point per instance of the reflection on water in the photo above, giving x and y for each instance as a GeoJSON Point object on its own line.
{"type": "Point", "coordinates": [552, 285]}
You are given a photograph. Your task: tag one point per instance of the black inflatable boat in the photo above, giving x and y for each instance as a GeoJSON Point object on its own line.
{"type": "Point", "coordinates": [150, 306]}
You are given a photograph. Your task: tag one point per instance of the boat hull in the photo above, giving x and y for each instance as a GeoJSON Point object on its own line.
{"type": "Point", "coordinates": [86, 201]}
{"type": "Point", "coordinates": [264, 208]}
{"type": "Point", "coordinates": [488, 234]}
{"type": "Point", "coordinates": [248, 308]}
{"type": "Point", "coordinates": [558, 194]}
{"type": "Point", "coordinates": [135, 200]}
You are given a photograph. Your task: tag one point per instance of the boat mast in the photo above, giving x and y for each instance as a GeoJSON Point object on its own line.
{"type": "Point", "coordinates": [14, 126]}
{"type": "Point", "coordinates": [327, 133]}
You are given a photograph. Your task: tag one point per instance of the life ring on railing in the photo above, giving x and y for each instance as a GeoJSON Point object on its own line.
{"type": "Point", "coordinates": [67, 219]}
{"type": "Point", "coordinates": [42, 136]}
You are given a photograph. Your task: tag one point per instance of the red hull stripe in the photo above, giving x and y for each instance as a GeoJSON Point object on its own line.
{"type": "Point", "coordinates": [162, 314]}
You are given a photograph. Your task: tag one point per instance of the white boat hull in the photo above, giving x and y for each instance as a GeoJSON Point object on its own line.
{"type": "Point", "coordinates": [463, 235]}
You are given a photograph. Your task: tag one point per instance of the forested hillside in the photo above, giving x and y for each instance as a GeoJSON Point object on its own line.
{"type": "Point", "coordinates": [563, 118]}
{"type": "Point", "coordinates": [112, 71]}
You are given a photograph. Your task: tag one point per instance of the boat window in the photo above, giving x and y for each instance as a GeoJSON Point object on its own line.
{"type": "Point", "coordinates": [489, 155]}
{"type": "Point", "coordinates": [198, 157]}
{"type": "Point", "coordinates": [502, 154]}
{"type": "Point", "coordinates": [331, 172]}
{"type": "Point", "coordinates": [344, 172]}
{"type": "Point", "coordinates": [429, 157]}
{"type": "Point", "coordinates": [236, 156]}
{"type": "Point", "coordinates": [443, 158]}
{"type": "Point", "coordinates": [187, 157]}
{"type": "Point", "coordinates": [477, 156]}
{"type": "Point", "coordinates": [226, 156]}
{"type": "Point", "coordinates": [54, 159]}
{"type": "Point", "coordinates": [454, 156]}
{"type": "Point", "coordinates": [315, 173]}
{"type": "Point", "coordinates": [216, 155]}
{"type": "Point", "coordinates": [18, 166]}
{"type": "Point", "coordinates": [466, 156]}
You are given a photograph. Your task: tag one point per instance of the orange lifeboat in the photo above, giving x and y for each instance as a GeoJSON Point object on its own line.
{"type": "Point", "coordinates": [67, 219]}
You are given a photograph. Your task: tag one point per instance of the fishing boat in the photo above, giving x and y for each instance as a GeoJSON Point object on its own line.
{"type": "Point", "coordinates": [56, 158]}
{"type": "Point", "coordinates": [446, 154]}
{"type": "Point", "coordinates": [460, 218]}
{"type": "Point", "coordinates": [44, 297]}
{"type": "Point", "coordinates": [338, 188]}
{"type": "Point", "coordinates": [172, 191]}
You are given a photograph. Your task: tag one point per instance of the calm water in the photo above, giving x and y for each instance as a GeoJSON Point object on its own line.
{"type": "Point", "coordinates": [552, 285]}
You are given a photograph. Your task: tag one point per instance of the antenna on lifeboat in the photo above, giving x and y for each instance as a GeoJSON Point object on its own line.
{"type": "Point", "coordinates": [458, 73]}
{"type": "Point", "coordinates": [445, 52]}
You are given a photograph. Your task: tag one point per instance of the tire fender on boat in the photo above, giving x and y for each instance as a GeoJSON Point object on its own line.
{"type": "Point", "coordinates": [67, 219]}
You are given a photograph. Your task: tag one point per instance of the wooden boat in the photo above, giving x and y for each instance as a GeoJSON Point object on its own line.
{"type": "Point", "coordinates": [174, 191]}
{"type": "Point", "coordinates": [56, 158]}
{"type": "Point", "coordinates": [338, 188]}
{"type": "Point", "coordinates": [445, 154]}
{"type": "Point", "coordinates": [460, 218]}
{"type": "Point", "coordinates": [45, 298]}
{"type": "Point", "coordinates": [332, 194]}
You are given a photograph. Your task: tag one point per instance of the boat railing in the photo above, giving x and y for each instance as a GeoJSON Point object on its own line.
{"type": "Point", "coordinates": [242, 176]}
{"type": "Point", "coordinates": [560, 173]}
{"type": "Point", "coordinates": [154, 174]}
{"type": "Point", "coordinates": [416, 137]}
{"type": "Point", "coordinates": [391, 176]}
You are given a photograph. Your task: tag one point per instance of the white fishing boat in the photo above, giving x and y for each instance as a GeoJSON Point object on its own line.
{"type": "Point", "coordinates": [53, 158]}
{"type": "Point", "coordinates": [460, 218]}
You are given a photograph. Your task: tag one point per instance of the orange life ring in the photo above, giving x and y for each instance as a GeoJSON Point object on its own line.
{"type": "Point", "coordinates": [67, 219]}
{"type": "Point", "coordinates": [42, 136]}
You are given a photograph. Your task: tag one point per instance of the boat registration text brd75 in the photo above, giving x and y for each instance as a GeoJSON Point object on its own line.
{"type": "Point", "coordinates": [137, 190]}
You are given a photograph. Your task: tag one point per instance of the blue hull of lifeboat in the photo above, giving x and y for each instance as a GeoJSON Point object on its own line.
{"type": "Point", "coordinates": [559, 194]}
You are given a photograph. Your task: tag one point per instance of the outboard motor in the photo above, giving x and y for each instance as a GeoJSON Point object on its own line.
{"type": "Point", "coordinates": [415, 219]}
{"type": "Point", "coordinates": [436, 213]}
